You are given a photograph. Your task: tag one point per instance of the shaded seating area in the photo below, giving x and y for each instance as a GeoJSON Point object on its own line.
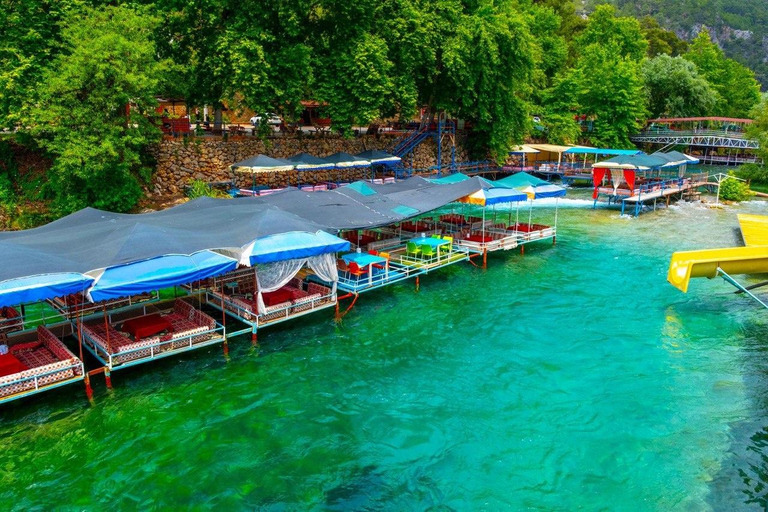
{"type": "Point", "coordinates": [76, 304]}
{"type": "Point", "coordinates": [36, 361]}
{"type": "Point", "coordinates": [238, 291]}
{"type": "Point", "coordinates": [133, 339]}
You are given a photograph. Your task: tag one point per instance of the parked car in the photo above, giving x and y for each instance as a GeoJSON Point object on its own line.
{"type": "Point", "coordinates": [272, 119]}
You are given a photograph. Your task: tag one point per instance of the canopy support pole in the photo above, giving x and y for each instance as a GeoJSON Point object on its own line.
{"type": "Point", "coordinates": [554, 238]}
{"type": "Point", "coordinates": [109, 347]}
{"type": "Point", "coordinates": [224, 320]}
{"type": "Point", "coordinates": [530, 214]}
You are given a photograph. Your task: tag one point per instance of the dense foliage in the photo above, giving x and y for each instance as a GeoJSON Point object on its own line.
{"type": "Point", "coordinates": [734, 189]}
{"type": "Point", "coordinates": [675, 88]}
{"type": "Point", "coordinates": [740, 26]}
{"type": "Point", "coordinates": [93, 108]}
{"type": "Point", "coordinates": [79, 78]}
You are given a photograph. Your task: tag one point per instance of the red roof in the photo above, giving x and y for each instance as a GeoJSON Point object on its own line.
{"type": "Point", "coordinates": [684, 119]}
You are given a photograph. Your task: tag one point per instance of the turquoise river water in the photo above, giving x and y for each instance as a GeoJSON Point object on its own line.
{"type": "Point", "coordinates": [571, 377]}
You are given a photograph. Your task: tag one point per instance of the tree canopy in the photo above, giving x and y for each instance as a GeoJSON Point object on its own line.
{"type": "Point", "coordinates": [79, 78]}
{"type": "Point", "coordinates": [675, 88]}
{"type": "Point", "coordinates": [94, 107]}
{"type": "Point", "coordinates": [737, 88]}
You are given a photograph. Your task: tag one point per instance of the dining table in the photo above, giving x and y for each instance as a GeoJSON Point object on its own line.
{"type": "Point", "coordinates": [430, 241]}
{"type": "Point", "coordinates": [144, 326]}
{"type": "Point", "coordinates": [364, 259]}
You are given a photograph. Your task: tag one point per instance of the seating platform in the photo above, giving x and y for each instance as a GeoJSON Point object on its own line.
{"type": "Point", "coordinates": [236, 293]}
{"type": "Point", "coordinates": [116, 342]}
{"type": "Point", "coordinates": [37, 361]}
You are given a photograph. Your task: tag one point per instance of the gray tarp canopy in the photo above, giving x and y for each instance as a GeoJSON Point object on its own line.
{"type": "Point", "coordinates": [307, 162]}
{"type": "Point", "coordinates": [262, 163]}
{"type": "Point", "coordinates": [379, 157]}
{"type": "Point", "coordinates": [345, 160]}
{"type": "Point", "coordinates": [363, 205]}
{"type": "Point", "coordinates": [93, 239]}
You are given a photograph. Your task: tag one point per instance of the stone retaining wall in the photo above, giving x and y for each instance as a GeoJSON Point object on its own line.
{"type": "Point", "coordinates": [181, 161]}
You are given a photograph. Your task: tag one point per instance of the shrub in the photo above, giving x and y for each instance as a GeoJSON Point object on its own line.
{"type": "Point", "coordinates": [734, 190]}
{"type": "Point", "coordinates": [199, 188]}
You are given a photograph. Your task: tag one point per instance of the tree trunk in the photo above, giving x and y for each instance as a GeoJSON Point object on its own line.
{"type": "Point", "coordinates": [217, 122]}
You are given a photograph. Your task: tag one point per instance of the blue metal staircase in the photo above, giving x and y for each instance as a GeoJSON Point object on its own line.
{"type": "Point", "coordinates": [410, 140]}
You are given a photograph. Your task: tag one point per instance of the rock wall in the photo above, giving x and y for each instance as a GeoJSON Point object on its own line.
{"type": "Point", "coordinates": [208, 159]}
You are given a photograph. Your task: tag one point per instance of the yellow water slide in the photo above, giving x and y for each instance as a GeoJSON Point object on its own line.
{"type": "Point", "coordinates": [752, 259]}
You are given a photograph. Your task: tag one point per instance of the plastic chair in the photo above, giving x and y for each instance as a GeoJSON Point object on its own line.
{"type": "Point", "coordinates": [427, 251]}
{"type": "Point", "coordinates": [411, 249]}
{"type": "Point", "coordinates": [356, 270]}
{"type": "Point", "coordinates": [446, 247]}
{"type": "Point", "coordinates": [373, 253]}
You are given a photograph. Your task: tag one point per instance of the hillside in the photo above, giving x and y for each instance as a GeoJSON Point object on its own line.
{"type": "Point", "coordinates": [740, 27]}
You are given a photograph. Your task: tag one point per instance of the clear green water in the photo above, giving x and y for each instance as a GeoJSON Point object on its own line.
{"type": "Point", "coordinates": [574, 376]}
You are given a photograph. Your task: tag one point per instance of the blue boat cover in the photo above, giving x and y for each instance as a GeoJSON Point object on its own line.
{"type": "Point", "coordinates": [289, 246]}
{"type": "Point", "coordinates": [157, 273]}
{"type": "Point", "coordinates": [41, 287]}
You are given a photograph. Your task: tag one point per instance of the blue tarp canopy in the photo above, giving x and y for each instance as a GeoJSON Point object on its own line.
{"type": "Point", "coordinates": [451, 178]}
{"type": "Point", "coordinates": [638, 162]}
{"type": "Point", "coordinates": [41, 287]}
{"type": "Point", "coordinates": [379, 157]}
{"type": "Point", "coordinates": [601, 151]}
{"type": "Point", "coordinates": [157, 273]}
{"type": "Point", "coordinates": [676, 158]}
{"type": "Point", "coordinates": [289, 246]}
{"type": "Point", "coordinates": [307, 162]}
{"type": "Point", "coordinates": [538, 188]}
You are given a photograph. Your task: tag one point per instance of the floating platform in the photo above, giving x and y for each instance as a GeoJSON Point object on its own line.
{"type": "Point", "coordinates": [301, 296]}
{"type": "Point", "coordinates": [37, 361]}
{"type": "Point", "coordinates": [133, 337]}
{"type": "Point", "coordinates": [650, 192]}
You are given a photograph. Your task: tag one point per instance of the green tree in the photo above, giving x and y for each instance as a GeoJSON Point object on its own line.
{"type": "Point", "coordinates": [95, 107]}
{"type": "Point", "coordinates": [675, 88]}
{"type": "Point", "coordinates": [604, 28]}
{"type": "Point", "coordinates": [660, 41]}
{"type": "Point", "coordinates": [29, 38]}
{"type": "Point", "coordinates": [758, 130]}
{"type": "Point", "coordinates": [735, 84]}
{"type": "Point", "coordinates": [606, 84]}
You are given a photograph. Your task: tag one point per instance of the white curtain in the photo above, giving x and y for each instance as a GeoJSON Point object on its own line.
{"type": "Point", "coordinates": [617, 177]}
{"type": "Point", "coordinates": [325, 268]}
{"type": "Point", "coordinates": [273, 276]}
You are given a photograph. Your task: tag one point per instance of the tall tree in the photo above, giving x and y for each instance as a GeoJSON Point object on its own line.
{"type": "Point", "coordinates": [95, 106]}
{"type": "Point", "coordinates": [605, 83]}
{"type": "Point", "coordinates": [29, 38]}
{"type": "Point", "coordinates": [738, 90]}
{"type": "Point", "coordinates": [676, 89]}
{"type": "Point", "coordinates": [759, 129]}
{"type": "Point", "coordinates": [661, 41]}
